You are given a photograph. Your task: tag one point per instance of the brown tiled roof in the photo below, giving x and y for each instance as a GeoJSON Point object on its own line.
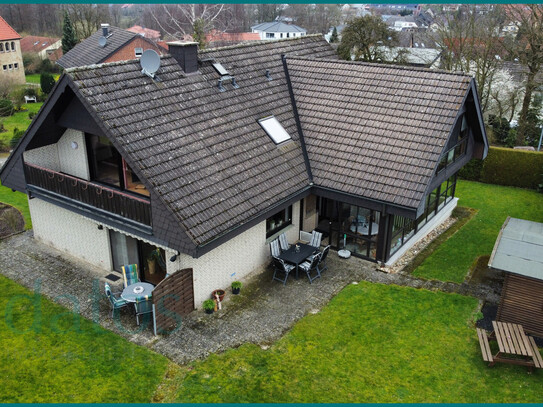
{"type": "Point", "coordinates": [7, 32]}
{"type": "Point", "coordinates": [201, 149]}
{"type": "Point", "coordinates": [375, 131]}
{"type": "Point", "coordinates": [89, 52]}
{"type": "Point", "coordinates": [146, 32]}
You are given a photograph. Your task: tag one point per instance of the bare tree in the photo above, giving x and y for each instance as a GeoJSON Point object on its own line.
{"type": "Point", "coordinates": [470, 43]}
{"type": "Point", "coordinates": [86, 18]}
{"type": "Point", "coordinates": [527, 47]}
{"type": "Point", "coordinates": [180, 20]}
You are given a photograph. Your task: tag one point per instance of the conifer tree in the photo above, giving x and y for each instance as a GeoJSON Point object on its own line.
{"type": "Point", "coordinates": [69, 39]}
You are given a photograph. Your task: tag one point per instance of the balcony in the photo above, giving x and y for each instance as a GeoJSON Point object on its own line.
{"type": "Point", "coordinates": [90, 193]}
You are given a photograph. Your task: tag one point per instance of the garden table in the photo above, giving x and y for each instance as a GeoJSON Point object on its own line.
{"type": "Point", "coordinates": [137, 291]}
{"type": "Point", "coordinates": [296, 258]}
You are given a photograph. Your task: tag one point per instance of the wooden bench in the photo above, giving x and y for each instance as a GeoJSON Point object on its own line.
{"type": "Point", "coordinates": [538, 361]}
{"type": "Point", "coordinates": [485, 346]}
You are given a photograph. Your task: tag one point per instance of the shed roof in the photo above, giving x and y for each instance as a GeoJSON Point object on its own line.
{"type": "Point", "coordinates": [519, 248]}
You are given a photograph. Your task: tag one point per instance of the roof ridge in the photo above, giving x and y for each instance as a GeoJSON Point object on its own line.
{"type": "Point", "coordinates": [102, 65]}
{"type": "Point", "coordinates": [383, 65]}
{"type": "Point", "coordinates": [253, 43]}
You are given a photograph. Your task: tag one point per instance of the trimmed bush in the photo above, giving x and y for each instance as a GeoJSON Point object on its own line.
{"type": "Point", "coordinates": [47, 82]}
{"type": "Point", "coordinates": [17, 134]}
{"type": "Point", "coordinates": [6, 107]}
{"type": "Point", "coordinates": [505, 166]}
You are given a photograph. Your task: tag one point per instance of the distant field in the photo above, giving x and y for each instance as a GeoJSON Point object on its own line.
{"type": "Point", "coordinates": [19, 120]}
{"type": "Point", "coordinates": [35, 78]}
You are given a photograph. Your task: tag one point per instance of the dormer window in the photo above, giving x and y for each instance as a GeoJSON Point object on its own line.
{"type": "Point", "coordinates": [274, 129]}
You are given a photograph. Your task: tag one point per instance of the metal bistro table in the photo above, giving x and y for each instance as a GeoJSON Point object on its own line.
{"type": "Point", "coordinates": [137, 291]}
{"type": "Point", "coordinates": [293, 257]}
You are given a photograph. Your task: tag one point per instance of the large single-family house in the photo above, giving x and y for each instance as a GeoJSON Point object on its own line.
{"type": "Point", "coordinates": [224, 149]}
{"type": "Point", "coordinates": [11, 58]}
{"type": "Point", "coordinates": [109, 44]}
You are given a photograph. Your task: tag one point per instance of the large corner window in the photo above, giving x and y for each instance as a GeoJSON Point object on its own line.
{"type": "Point", "coordinates": [108, 167]}
{"type": "Point", "coordinates": [274, 129]}
{"type": "Point", "coordinates": [278, 221]}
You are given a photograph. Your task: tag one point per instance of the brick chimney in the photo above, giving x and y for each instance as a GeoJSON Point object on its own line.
{"type": "Point", "coordinates": [186, 54]}
{"type": "Point", "coordinates": [105, 29]}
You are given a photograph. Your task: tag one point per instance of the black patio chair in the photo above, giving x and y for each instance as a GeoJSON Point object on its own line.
{"type": "Point", "coordinates": [282, 268]}
{"type": "Point", "coordinates": [322, 262]}
{"type": "Point", "coordinates": [311, 265]}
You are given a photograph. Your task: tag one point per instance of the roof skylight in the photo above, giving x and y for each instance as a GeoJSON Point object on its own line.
{"type": "Point", "coordinates": [274, 129]}
{"type": "Point", "coordinates": [221, 70]}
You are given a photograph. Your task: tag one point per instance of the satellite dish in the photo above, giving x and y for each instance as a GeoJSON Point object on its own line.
{"type": "Point", "coordinates": [102, 41]}
{"type": "Point", "coordinates": [150, 62]}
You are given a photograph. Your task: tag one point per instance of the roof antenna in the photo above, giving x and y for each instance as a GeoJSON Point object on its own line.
{"type": "Point", "coordinates": [150, 62]}
{"type": "Point", "coordinates": [268, 75]}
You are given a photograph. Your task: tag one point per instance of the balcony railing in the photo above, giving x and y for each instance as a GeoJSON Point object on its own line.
{"type": "Point", "coordinates": [96, 195]}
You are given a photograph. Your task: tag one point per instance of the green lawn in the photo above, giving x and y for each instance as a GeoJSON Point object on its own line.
{"type": "Point", "coordinates": [373, 344]}
{"type": "Point", "coordinates": [50, 355]}
{"type": "Point", "coordinates": [35, 77]}
{"type": "Point", "coordinates": [452, 260]}
{"type": "Point", "coordinates": [18, 200]}
{"type": "Point", "coordinates": [19, 120]}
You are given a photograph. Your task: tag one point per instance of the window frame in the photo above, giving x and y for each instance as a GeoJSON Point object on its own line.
{"type": "Point", "coordinates": [286, 220]}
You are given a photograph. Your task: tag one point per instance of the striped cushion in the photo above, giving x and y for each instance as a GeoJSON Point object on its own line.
{"type": "Point", "coordinates": [130, 274]}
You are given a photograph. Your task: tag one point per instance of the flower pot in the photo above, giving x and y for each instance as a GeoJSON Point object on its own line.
{"type": "Point", "coordinates": [209, 311]}
{"type": "Point", "coordinates": [220, 293]}
{"type": "Point", "coordinates": [235, 290]}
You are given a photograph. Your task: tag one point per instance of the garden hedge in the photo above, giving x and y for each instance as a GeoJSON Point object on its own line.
{"type": "Point", "coordinates": [506, 166]}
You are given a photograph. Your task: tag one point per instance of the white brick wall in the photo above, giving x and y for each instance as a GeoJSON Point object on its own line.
{"type": "Point", "coordinates": [232, 260]}
{"type": "Point", "coordinates": [44, 157]}
{"type": "Point", "coordinates": [70, 233]}
{"type": "Point", "coordinates": [62, 157]}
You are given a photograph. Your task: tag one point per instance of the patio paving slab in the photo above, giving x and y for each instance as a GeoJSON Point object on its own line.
{"type": "Point", "coordinates": [261, 314]}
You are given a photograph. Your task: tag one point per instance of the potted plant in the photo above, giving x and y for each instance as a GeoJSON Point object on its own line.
{"type": "Point", "coordinates": [208, 306]}
{"type": "Point", "coordinates": [236, 286]}
{"type": "Point", "coordinates": [220, 293]}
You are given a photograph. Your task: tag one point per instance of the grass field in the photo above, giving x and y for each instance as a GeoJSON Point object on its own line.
{"type": "Point", "coordinates": [452, 260]}
{"type": "Point", "coordinates": [49, 354]}
{"type": "Point", "coordinates": [19, 120]}
{"type": "Point", "coordinates": [35, 78]}
{"type": "Point", "coordinates": [373, 344]}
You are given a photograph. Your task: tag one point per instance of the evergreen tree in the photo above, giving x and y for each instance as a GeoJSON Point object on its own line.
{"type": "Point", "coordinates": [69, 39]}
{"type": "Point", "coordinates": [199, 34]}
{"type": "Point", "coordinates": [47, 82]}
{"type": "Point", "coordinates": [334, 37]}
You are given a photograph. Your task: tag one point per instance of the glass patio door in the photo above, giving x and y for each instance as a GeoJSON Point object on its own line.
{"type": "Point", "coordinates": [124, 250]}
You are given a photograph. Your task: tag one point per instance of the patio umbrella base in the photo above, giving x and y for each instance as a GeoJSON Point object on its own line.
{"type": "Point", "coordinates": [344, 254]}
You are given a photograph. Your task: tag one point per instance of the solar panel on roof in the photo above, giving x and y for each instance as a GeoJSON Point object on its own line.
{"type": "Point", "coordinates": [274, 129]}
{"type": "Point", "coordinates": [221, 70]}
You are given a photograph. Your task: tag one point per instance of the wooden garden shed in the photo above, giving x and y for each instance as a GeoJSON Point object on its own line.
{"type": "Point", "coordinates": [519, 253]}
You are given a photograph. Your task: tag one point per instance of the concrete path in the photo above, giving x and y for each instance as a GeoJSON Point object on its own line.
{"type": "Point", "coordinates": [263, 312]}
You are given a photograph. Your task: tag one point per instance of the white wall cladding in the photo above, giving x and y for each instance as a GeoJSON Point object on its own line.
{"type": "Point", "coordinates": [232, 260]}
{"type": "Point", "coordinates": [73, 161]}
{"type": "Point", "coordinates": [70, 233]}
{"type": "Point", "coordinates": [44, 157]}
{"type": "Point", "coordinates": [62, 157]}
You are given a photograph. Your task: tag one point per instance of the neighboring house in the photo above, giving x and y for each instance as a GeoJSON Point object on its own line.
{"type": "Point", "coordinates": [120, 45]}
{"type": "Point", "coordinates": [153, 35]}
{"type": "Point", "coordinates": [11, 58]}
{"type": "Point", "coordinates": [406, 23]}
{"type": "Point", "coordinates": [227, 148]}
{"type": "Point", "coordinates": [419, 57]}
{"type": "Point", "coordinates": [41, 46]}
{"type": "Point", "coordinates": [277, 30]}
